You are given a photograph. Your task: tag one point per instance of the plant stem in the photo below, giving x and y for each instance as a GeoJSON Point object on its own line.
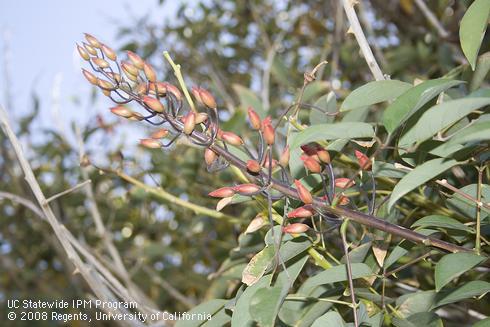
{"type": "Point", "coordinates": [478, 210]}
{"type": "Point", "coordinates": [343, 229]}
{"type": "Point", "coordinates": [180, 78]}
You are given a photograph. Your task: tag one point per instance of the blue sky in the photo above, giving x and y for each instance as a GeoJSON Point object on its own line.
{"type": "Point", "coordinates": [41, 37]}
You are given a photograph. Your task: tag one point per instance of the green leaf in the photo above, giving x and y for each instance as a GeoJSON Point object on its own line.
{"type": "Point", "coordinates": [468, 207]}
{"type": "Point", "coordinates": [249, 99]}
{"type": "Point", "coordinates": [265, 304]}
{"type": "Point", "coordinates": [241, 316]}
{"type": "Point", "coordinates": [374, 92]}
{"type": "Point", "coordinates": [441, 221]}
{"type": "Point", "coordinates": [343, 130]}
{"type": "Point", "coordinates": [257, 266]}
{"type": "Point", "coordinates": [482, 68]}
{"type": "Point", "coordinates": [210, 307]}
{"type": "Point", "coordinates": [466, 291]}
{"type": "Point", "coordinates": [338, 274]}
{"type": "Point", "coordinates": [472, 29]}
{"type": "Point", "coordinates": [412, 100]}
{"type": "Point", "coordinates": [439, 117]}
{"type": "Point", "coordinates": [419, 176]}
{"type": "Point", "coordinates": [415, 302]}
{"type": "Point", "coordinates": [452, 265]}
{"type": "Point", "coordinates": [426, 319]}
{"type": "Point", "coordinates": [483, 323]}
{"type": "Point", "coordinates": [480, 131]}
{"type": "Point", "coordinates": [314, 89]}
{"type": "Point", "coordinates": [386, 169]}
{"type": "Point", "coordinates": [330, 319]}
{"type": "Point", "coordinates": [328, 104]}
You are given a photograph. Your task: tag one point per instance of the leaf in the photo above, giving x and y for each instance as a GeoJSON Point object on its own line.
{"type": "Point", "coordinates": [257, 266]}
{"type": "Point", "coordinates": [472, 29]}
{"type": "Point", "coordinates": [338, 274]}
{"type": "Point", "coordinates": [415, 302]}
{"type": "Point", "coordinates": [209, 307]}
{"type": "Point", "coordinates": [412, 100]}
{"type": "Point", "coordinates": [241, 316]}
{"type": "Point", "coordinates": [480, 131]}
{"type": "Point", "coordinates": [439, 117]}
{"type": "Point", "coordinates": [441, 221]}
{"type": "Point", "coordinates": [482, 68]}
{"type": "Point", "coordinates": [468, 207]}
{"type": "Point", "coordinates": [419, 176]}
{"type": "Point", "coordinates": [452, 265]}
{"type": "Point", "coordinates": [379, 250]}
{"type": "Point", "coordinates": [264, 305]}
{"type": "Point", "coordinates": [386, 169]}
{"type": "Point", "coordinates": [466, 291]}
{"type": "Point", "coordinates": [374, 92]}
{"type": "Point", "coordinates": [426, 319]}
{"type": "Point", "coordinates": [483, 323]}
{"type": "Point", "coordinates": [249, 99]}
{"type": "Point", "coordinates": [343, 130]}
{"type": "Point", "coordinates": [330, 319]}
{"type": "Point", "coordinates": [256, 224]}
{"type": "Point", "coordinates": [328, 104]}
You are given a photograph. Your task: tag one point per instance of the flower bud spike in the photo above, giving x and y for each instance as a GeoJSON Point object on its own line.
{"type": "Point", "coordinates": [153, 104]}
{"type": "Point", "coordinates": [254, 118]}
{"type": "Point", "coordinates": [303, 193]}
{"type": "Point", "coordinates": [122, 111]}
{"type": "Point", "coordinates": [364, 161]}
{"type": "Point", "coordinates": [223, 192]}
{"type": "Point", "coordinates": [302, 212]}
{"type": "Point", "coordinates": [247, 189]}
{"type": "Point", "coordinates": [284, 159]}
{"type": "Point", "coordinates": [136, 60]}
{"type": "Point", "coordinates": [108, 52]}
{"type": "Point", "coordinates": [189, 121]}
{"type": "Point", "coordinates": [253, 166]}
{"type": "Point", "coordinates": [83, 53]}
{"type": "Point", "coordinates": [149, 72]}
{"type": "Point", "coordinates": [90, 77]}
{"type": "Point", "coordinates": [210, 156]}
{"type": "Point", "coordinates": [269, 134]}
{"type": "Point", "coordinates": [151, 143]}
{"type": "Point", "coordinates": [92, 40]}
{"type": "Point", "coordinates": [231, 138]}
{"type": "Point", "coordinates": [344, 182]}
{"type": "Point", "coordinates": [296, 228]}
{"type": "Point", "coordinates": [160, 134]}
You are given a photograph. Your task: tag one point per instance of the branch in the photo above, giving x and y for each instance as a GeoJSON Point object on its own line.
{"type": "Point", "coordinates": [361, 40]}
{"type": "Point", "coordinates": [432, 18]}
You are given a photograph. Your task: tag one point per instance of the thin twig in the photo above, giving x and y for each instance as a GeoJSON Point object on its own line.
{"type": "Point", "coordinates": [343, 230]}
{"type": "Point", "coordinates": [431, 18]}
{"type": "Point", "coordinates": [71, 189]}
{"type": "Point", "coordinates": [180, 79]}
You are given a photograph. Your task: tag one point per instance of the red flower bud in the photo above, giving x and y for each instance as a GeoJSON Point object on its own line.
{"type": "Point", "coordinates": [343, 200]}
{"type": "Point", "coordinates": [311, 164]}
{"type": "Point", "coordinates": [174, 90]}
{"type": "Point", "coordinates": [136, 60]}
{"type": "Point", "coordinates": [269, 134]}
{"type": "Point", "coordinates": [195, 92]}
{"type": "Point", "coordinates": [90, 77]}
{"type": "Point", "coordinates": [323, 155]}
{"type": "Point", "coordinates": [302, 212]}
{"type": "Point", "coordinates": [267, 121]}
{"type": "Point", "coordinates": [150, 143]}
{"type": "Point", "coordinates": [109, 53]}
{"type": "Point", "coordinates": [136, 116]}
{"type": "Point", "coordinates": [303, 193]}
{"type": "Point", "coordinates": [92, 40]}
{"type": "Point", "coordinates": [153, 104]}
{"type": "Point", "coordinates": [254, 119]}
{"type": "Point", "coordinates": [231, 138]}
{"type": "Point", "coordinates": [129, 68]}
{"type": "Point", "coordinates": [159, 87]}
{"type": "Point", "coordinates": [209, 156]}
{"type": "Point", "coordinates": [246, 189]}
{"type": "Point", "coordinates": [296, 228]}
{"type": "Point", "coordinates": [207, 98]}
{"type": "Point", "coordinates": [100, 62]}
{"type": "Point", "coordinates": [363, 160]}
{"type": "Point", "coordinates": [122, 111]}
{"type": "Point", "coordinates": [149, 72]}
{"type": "Point", "coordinates": [284, 159]}
{"type": "Point", "coordinates": [159, 134]}
{"type": "Point", "coordinates": [344, 182]}
{"type": "Point", "coordinates": [223, 192]}
{"type": "Point", "coordinates": [141, 89]}
{"type": "Point", "coordinates": [253, 166]}
{"type": "Point", "coordinates": [83, 53]}
{"type": "Point", "coordinates": [189, 121]}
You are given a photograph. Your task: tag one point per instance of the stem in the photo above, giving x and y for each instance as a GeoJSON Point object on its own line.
{"type": "Point", "coordinates": [343, 230]}
{"type": "Point", "coordinates": [478, 210]}
{"type": "Point", "coordinates": [180, 78]}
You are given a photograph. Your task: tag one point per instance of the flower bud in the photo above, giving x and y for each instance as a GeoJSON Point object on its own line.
{"type": "Point", "coordinates": [136, 116]}
{"type": "Point", "coordinates": [189, 121]}
{"type": "Point", "coordinates": [207, 98]}
{"type": "Point", "coordinates": [92, 40]}
{"type": "Point", "coordinates": [364, 161]}
{"type": "Point", "coordinates": [136, 60]}
{"type": "Point", "coordinates": [100, 62]}
{"type": "Point", "coordinates": [174, 90]}
{"type": "Point", "coordinates": [159, 87]}
{"type": "Point", "coordinates": [150, 143]}
{"type": "Point", "coordinates": [223, 192]}
{"type": "Point", "coordinates": [210, 156]}
{"type": "Point", "coordinates": [343, 200]}
{"type": "Point", "coordinates": [106, 92]}
{"type": "Point", "coordinates": [311, 164]}
{"type": "Point", "coordinates": [195, 92]}
{"type": "Point", "coordinates": [267, 121]}
{"type": "Point", "coordinates": [105, 85]}
{"type": "Point", "coordinates": [141, 88]}
{"type": "Point", "coordinates": [109, 53]}
{"type": "Point", "coordinates": [344, 182]}
{"type": "Point", "coordinates": [159, 134]}
{"type": "Point", "coordinates": [303, 193]}
{"type": "Point", "coordinates": [122, 111]}
{"type": "Point", "coordinates": [274, 163]}
{"type": "Point", "coordinates": [149, 72]}
{"type": "Point", "coordinates": [269, 134]}
{"type": "Point", "coordinates": [323, 155]}
{"type": "Point", "coordinates": [153, 104]}
{"type": "Point", "coordinates": [254, 118]}
{"type": "Point", "coordinates": [246, 189]}
{"type": "Point", "coordinates": [231, 138]}
{"type": "Point", "coordinates": [302, 212]}
{"type": "Point", "coordinates": [129, 68]}
{"type": "Point", "coordinates": [253, 166]}
{"type": "Point", "coordinates": [90, 49]}
{"type": "Point", "coordinates": [284, 159]}
{"type": "Point", "coordinates": [201, 117]}
{"type": "Point", "coordinates": [90, 77]}
{"type": "Point", "coordinates": [115, 77]}
{"type": "Point", "coordinates": [296, 228]}
{"type": "Point", "coordinates": [83, 53]}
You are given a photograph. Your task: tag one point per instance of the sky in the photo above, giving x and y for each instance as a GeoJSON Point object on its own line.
{"type": "Point", "coordinates": [37, 51]}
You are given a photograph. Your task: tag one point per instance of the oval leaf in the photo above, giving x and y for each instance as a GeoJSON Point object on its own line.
{"type": "Point", "coordinates": [468, 290]}
{"type": "Point", "coordinates": [418, 176]}
{"type": "Point", "coordinates": [441, 221]}
{"type": "Point", "coordinates": [452, 265]}
{"type": "Point", "coordinates": [210, 307]}
{"type": "Point", "coordinates": [374, 92]}
{"type": "Point", "coordinates": [338, 274]}
{"type": "Point", "coordinates": [472, 29]}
